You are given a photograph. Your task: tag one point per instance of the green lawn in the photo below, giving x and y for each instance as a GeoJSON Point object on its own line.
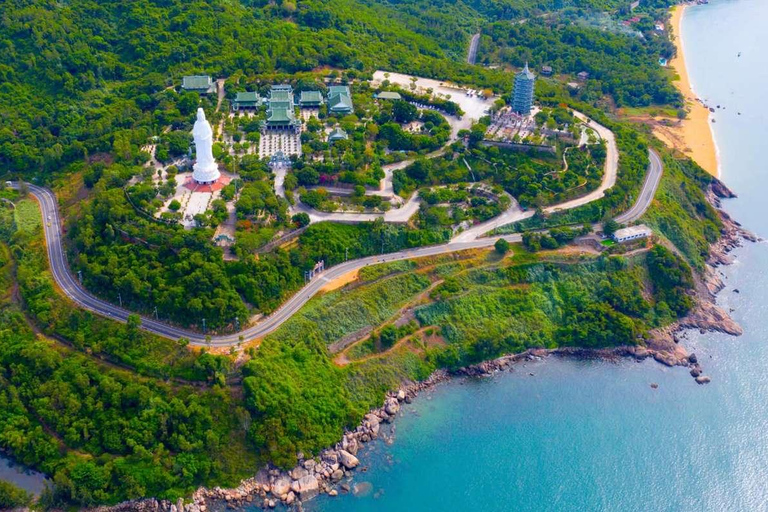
{"type": "Point", "coordinates": [27, 215]}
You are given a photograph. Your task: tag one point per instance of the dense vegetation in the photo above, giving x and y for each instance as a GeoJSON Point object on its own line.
{"type": "Point", "coordinates": [535, 180]}
{"type": "Point", "coordinates": [146, 264]}
{"type": "Point", "coordinates": [624, 67]}
{"type": "Point", "coordinates": [111, 412]}
{"type": "Point", "coordinates": [101, 432]}
{"type": "Point", "coordinates": [480, 309]}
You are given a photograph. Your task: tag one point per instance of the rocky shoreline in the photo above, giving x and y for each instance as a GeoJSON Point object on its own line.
{"type": "Point", "coordinates": [330, 471]}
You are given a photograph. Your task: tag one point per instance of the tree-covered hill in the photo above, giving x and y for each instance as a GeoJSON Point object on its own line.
{"type": "Point", "coordinates": [77, 76]}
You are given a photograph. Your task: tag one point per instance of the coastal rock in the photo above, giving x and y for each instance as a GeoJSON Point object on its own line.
{"type": "Point", "coordinates": [665, 358]}
{"type": "Point", "coordinates": [695, 371]}
{"type": "Point", "coordinates": [281, 486]}
{"type": "Point", "coordinates": [641, 353]}
{"type": "Point", "coordinates": [401, 395]}
{"type": "Point", "coordinates": [348, 460]}
{"type": "Point", "coordinates": [298, 473]}
{"type": "Point", "coordinates": [337, 475]}
{"type": "Point", "coordinates": [392, 406]}
{"type": "Point", "coordinates": [710, 317]}
{"type": "Point", "coordinates": [309, 465]}
{"type": "Point", "coordinates": [703, 379]}
{"type": "Point", "coordinates": [692, 358]}
{"type": "Point", "coordinates": [290, 498]}
{"type": "Point", "coordinates": [371, 420]}
{"type": "Point", "coordinates": [330, 457]}
{"type": "Point", "coordinates": [306, 487]}
{"type": "Point", "coordinates": [351, 446]}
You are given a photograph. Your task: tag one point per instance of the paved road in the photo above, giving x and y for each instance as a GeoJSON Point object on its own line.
{"type": "Point", "coordinates": [72, 289]}
{"type": "Point", "coordinates": [472, 54]}
{"type": "Point", "coordinates": [652, 179]}
{"type": "Point", "coordinates": [515, 214]}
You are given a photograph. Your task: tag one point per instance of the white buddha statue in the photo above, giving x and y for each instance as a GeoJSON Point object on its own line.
{"type": "Point", "coordinates": [205, 169]}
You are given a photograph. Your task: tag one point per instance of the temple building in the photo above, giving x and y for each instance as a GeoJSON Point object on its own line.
{"type": "Point", "coordinates": [245, 100]}
{"type": "Point", "coordinates": [339, 100]}
{"type": "Point", "coordinates": [198, 83]}
{"type": "Point", "coordinates": [310, 99]}
{"type": "Point", "coordinates": [522, 99]}
{"type": "Point", "coordinates": [389, 95]}
{"type": "Point", "coordinates": [281, 113]}
{"type": "Point", "coordinates": [336, 135]}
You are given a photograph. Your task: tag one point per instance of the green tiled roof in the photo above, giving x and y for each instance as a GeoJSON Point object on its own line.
{"type": "Point", "coordinates": [280, 96]}
{"type": "Point", "coordinates": [247, 97]}
{"type": "Point", "coordinates": [337, 134]}
{"type": "Point", "coordinates": [338, 89]}
{"type": "Point", "coordinates": [280, 115]}
{"type": "Point", "coordinates": [314, 97]}
{"type": "Point", "coordinates": [197, 82]}
{"type": "Point", "coordinates": [339, 99]}
{"type": "Point", "coordinates": [389, 95]}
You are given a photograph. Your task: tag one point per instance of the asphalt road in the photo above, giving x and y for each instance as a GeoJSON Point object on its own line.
{"type": "Point", "coordinates": [72, 289]}
{"type": "Point", "coordinates": [652, 179]}
{"type": "Point", "coordinates": [472, 53]}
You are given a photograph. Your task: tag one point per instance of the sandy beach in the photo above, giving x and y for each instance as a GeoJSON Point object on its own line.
{"type": "Point", "coordinates": [693, 136]}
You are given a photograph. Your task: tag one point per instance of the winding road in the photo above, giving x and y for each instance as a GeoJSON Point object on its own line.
{"type": "Point", "coordinates": [469, 239]}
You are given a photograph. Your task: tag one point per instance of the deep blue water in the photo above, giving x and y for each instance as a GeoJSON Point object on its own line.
{"type": "Point", "coordinates": [594, 435]}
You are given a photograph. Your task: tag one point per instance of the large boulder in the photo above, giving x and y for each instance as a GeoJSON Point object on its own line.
{"type": "Point", "coordinates": [281, 486]}
{"type": "Point", "coordinates": [307, 487]}
{"type": "Point", "coordinates": [330, 457]}
{"type": "Point", "coordinates": [348, 460]}
{"type": "Point", "coordinates": [392, 406]}
{"type": "Point", "coordinates": [351, 445]}
{"type": "Point", "coordinates": [298, 472]}
{"type": "Point", "coordinates": [372, 419]}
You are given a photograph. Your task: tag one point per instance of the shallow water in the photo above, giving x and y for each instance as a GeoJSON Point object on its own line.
{"type": "Point", "coordinates": [30, 481]}
{"type": "Point", "coordinates": [594, 435]}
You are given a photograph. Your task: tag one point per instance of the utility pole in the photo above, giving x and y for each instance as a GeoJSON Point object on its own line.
{"type": "Point", "coordinates": [346, 253]}
{"type": "Point", "coordinates": [156, 315]}
{"type": "Point", "coordinates": [204, 330]}
{"type": "Point", "coordinates": [80, 276]}
{"type": "Point", "coordinates": [120, 298]}
{"type": "Point", "coordinates": [237, 324]}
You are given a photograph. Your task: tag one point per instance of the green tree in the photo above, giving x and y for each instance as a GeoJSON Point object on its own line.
{"type": "Point", "coordinates": [501, 246]}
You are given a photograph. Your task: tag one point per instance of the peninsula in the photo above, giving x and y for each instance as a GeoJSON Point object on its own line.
{"type": "Point", "coordinates": [228, 257]}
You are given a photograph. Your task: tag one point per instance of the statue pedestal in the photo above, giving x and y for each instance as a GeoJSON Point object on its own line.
{"type": "Point", "coordinates": [206, 173]}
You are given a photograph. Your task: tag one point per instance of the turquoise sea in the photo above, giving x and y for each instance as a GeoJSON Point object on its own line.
{"type": "Point", "coordinates": [594, 435]}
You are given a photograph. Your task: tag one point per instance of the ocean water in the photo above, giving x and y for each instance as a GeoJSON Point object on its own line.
{"type": "Point", "coordinates": [594, 435]}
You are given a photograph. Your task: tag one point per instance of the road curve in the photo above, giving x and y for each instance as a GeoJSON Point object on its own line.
{"type": "Point", "coordinates": [652, 180]}
{"type": "Point", "coordinates": [72, 288]}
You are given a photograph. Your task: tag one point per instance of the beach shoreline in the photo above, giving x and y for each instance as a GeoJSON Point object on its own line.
{"type": "Point", "coordinates": [694, 135]}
